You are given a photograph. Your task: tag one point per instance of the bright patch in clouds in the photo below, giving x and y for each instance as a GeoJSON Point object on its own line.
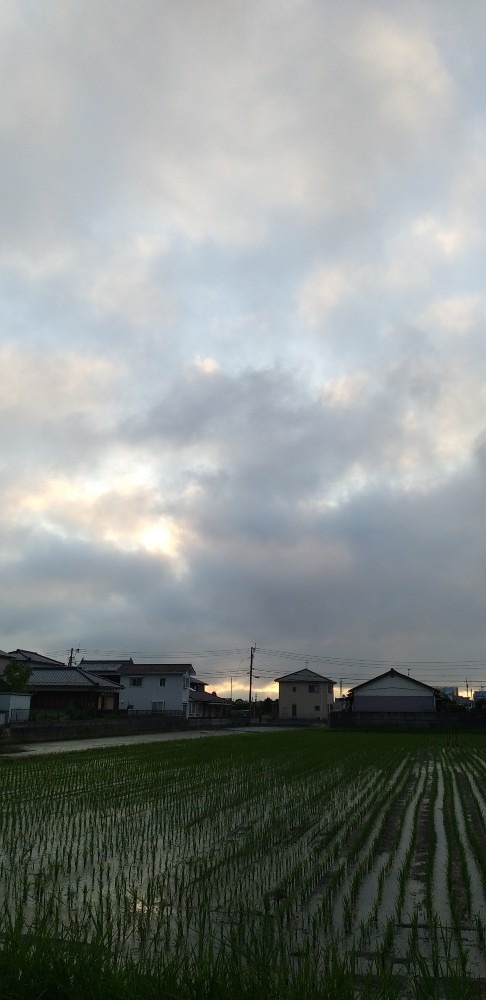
{"type": "Point", "coordinates": [243, 325]}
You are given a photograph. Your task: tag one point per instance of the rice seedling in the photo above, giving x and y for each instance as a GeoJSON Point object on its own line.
{"type": "Point", "coordinates": [195, 867]}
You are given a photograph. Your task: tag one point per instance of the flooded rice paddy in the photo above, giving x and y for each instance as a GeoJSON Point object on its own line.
{"type": "Point", "coordinates": [368, 845]}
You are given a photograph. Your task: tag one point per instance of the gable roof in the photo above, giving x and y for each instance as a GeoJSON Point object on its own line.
{"type": "Point", "coordinates": [304, 676]}
{"type": "Point", "coordinates": [28, 656]}
{"type": "Point", "coordinates": [393, 673]}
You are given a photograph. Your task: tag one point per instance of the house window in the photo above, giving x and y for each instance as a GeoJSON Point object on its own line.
{"type": "Point", "coordinates": [316, 708]}
{"type": "Point", "coordinates": [136, 682]}
{"type": "Point", "coordinates": [162, 682]}
{"type": "Point", "coordinates": [313, 689]}
{"type": "Point", "coordinates": [186, 681]}
{"type": "Point", "coordinates": [158, 706]}
{"type": "Point", "coordinates": [294, 689]}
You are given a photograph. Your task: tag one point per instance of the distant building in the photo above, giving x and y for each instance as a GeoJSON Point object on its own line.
{"type": "Point", "coordinates": [450, 692]}
{"type": "Point", "coordinates": [479, 696]}
{"type": "Point", "coordinates": [305, 695]}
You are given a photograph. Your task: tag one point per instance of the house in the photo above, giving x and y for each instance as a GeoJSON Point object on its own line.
{"type": "Point", "coordinates": [147, 687]}
{"type": "Point", "coordinates": [53, 686]}
{"type": "Point", "coordinates": [394, 692]}
{"type": "Point", "coordinates": [305, 695]}
{"type": "Point", "coordinates": [203, 705]}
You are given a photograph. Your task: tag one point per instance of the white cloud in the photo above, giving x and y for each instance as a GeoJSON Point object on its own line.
{"type": "Point", "coordinates": [411, 85]}
{"type": "Point", "coordinates": [457, 315]}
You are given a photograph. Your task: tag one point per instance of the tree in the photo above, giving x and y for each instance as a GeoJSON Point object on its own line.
{"type": "Point", "coordinates": [15, 677]}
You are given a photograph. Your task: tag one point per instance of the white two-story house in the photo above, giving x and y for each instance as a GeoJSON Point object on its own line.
{"type": "Point", "coordinates": [147, 687]}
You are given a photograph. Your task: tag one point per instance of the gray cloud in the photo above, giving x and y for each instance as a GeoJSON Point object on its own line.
{"type": "Point", "coordinates": [242, 312]}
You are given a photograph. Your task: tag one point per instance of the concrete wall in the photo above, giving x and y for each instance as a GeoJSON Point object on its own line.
{"type": "Point", "coordinates": [311, 705]}
{"type": "Point", "coordinates": [40, 732]}
{"type": "Point", "coordinates": [405, 721]}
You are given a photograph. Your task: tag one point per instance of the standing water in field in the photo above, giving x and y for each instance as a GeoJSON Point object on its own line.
{"type": "Point", "coordinates": [307, 842]}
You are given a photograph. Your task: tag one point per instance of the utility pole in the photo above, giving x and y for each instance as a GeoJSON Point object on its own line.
{"type": "Point", "coordinates": [72, 660]}
{"type": "Point", "coordinates": [252, 654]}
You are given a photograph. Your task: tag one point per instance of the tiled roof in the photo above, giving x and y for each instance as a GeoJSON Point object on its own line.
{"type": "Point", "coordinates": [67, 677]}
{"type": "Point", "coordinates": [129, 668]}
{"type": "Point", "coordinates": [28, 656]}
{"type": "Point", "coordinates": [305, 676]}
{"type": "Point", "coordinates": [203, 696]}
{"type": "Point", "coordinates": [104, 665]}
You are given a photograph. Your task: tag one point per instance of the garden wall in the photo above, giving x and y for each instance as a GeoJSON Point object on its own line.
{"type": "Point", "coordinates": [408, 720]}
{"type": "Point", "coordinates": [40, 732]}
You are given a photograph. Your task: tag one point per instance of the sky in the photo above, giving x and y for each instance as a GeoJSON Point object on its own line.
{"type": "Point", "coordinates": [242, 338]}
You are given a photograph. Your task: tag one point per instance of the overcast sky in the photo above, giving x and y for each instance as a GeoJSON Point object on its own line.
{"type": "Point", "coordinates": [242, 350]}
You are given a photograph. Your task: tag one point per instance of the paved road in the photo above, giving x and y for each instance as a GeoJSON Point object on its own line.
{"type": "Point", "coordinates": [68, 746]}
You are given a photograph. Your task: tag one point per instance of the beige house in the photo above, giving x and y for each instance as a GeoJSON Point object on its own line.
{"type": "Point", "coordinates": [305, 695]}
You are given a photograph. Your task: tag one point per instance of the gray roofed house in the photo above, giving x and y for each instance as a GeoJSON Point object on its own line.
{"type": "Point", "coordinates": [57, 687]}
{"type": "Point", "coordinates": [305, 695]}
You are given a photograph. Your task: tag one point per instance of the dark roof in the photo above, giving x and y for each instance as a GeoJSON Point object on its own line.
{"type": "Point", "coordinates": [123, 667]}
{"type": "Point", "coordinates": [393, 673]}
{"type": "Point", "coordinates": [203, 696]}
{"type": "Point", "coordinates": [67, 677]}
{"type": "Point", "coordinates": [105, 666]}
{"type": "Point", "coordinates": [304, 676]}
{"type": "Point", "coordinates": [28, 656]}
{"type": "Point", "coordinates": [58, 676]}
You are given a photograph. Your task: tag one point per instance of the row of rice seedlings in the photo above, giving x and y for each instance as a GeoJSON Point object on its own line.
{"type": "Point", "coordinates": [457, 870]}
{"type": "Point", "coordinates": [404, 872]}
{"type": "Point", "coordinates": [431, 845]}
